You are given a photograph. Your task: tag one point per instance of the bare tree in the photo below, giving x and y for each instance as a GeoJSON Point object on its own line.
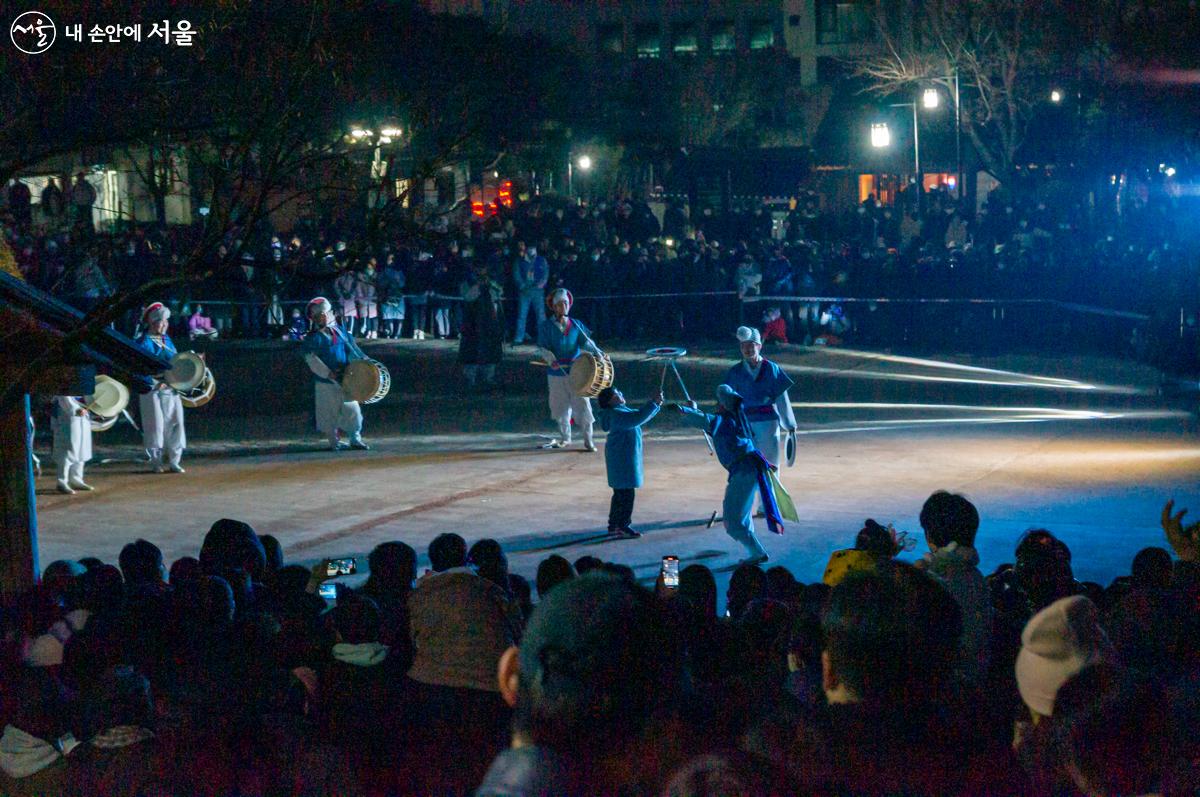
{"type": "Point", "coordinates": [1006, 53]}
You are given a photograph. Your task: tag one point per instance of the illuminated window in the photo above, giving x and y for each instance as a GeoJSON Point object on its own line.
{"type": "Point", "coordinates": [649, 40]}
{"type": "Point", "coordinates": [684, 39]}
{"type": "Point", "coordinates": [762, 35]}
{"type": "Point", "coordinates": [722, 35]}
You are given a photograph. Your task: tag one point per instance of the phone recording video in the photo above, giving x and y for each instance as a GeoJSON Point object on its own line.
{"type": "Point", "coordinates": [341, 567]}
{"type": "Point", "coordinates": [670, 572]}
{"type": "Point", "coordinates": [329, 592]}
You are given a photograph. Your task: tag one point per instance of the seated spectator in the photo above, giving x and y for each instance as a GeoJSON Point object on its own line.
{"type": "Point", "coordinates": [490, 562]}
{"type": "Point", "coordinates": [393, 567]}
{"type": "Point", "coordinates": [746, 584]}
{"type": "Point", "coordinates": [774, 327]}
{"type": "Point", "coordinates": [200, 325]}
{"type": "Point", "coordinates": [950, 523]}
{"type": "Point", "coordinates": [874, 546]}
{"type": "Point", "coordinates": [585, 564]}
{"type": "Point", "coordinates": [298, 327]}
{"type": "Point", "coordinates": [552, 571]}
{"type": "Point", "coordinates": [461, 625]}
{"type": "Point", "coordinates": [1059, 642]}
{"type": "Point", "coordinates": [1144, 622]}
{"type": "Point", "coordinates": [889, 639]}
{"type": "Point", "coordinates": [592, 711]}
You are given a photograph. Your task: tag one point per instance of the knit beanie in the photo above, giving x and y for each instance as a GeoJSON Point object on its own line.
{"type": "Point", "coordinates": [1058, 642]}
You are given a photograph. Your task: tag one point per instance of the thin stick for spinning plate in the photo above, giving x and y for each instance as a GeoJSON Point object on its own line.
{"type": "Point", "coordinates": [663, 380]}
{"type": "Point", "coordinates": [688, 396]}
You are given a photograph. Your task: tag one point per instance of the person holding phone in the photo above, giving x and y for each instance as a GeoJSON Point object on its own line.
{"type": "Point", "coordinates": [623, 454]}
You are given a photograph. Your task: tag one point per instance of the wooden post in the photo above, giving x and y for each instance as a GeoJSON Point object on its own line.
{"type": "Point", "coordinates": [19, 568]}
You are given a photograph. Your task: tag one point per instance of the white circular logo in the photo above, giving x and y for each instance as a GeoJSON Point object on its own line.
{"type": "Point", "coordinates": [33, 32]}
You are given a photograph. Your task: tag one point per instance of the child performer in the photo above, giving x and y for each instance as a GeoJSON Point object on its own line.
{"type": "Point", "coordinates": [623, 455]}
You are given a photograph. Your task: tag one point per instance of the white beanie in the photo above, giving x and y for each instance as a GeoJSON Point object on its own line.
{"type": "Point", "coordinates": [749, 333]}
{"type": "Point", "coordinates": [1058, 642]}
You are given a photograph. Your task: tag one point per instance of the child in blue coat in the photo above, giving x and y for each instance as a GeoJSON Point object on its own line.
{"type": "Point", "coordinates": [623, 454]}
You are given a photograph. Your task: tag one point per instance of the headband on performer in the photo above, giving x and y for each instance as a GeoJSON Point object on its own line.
{"type": "Point", "coordinates": [561, 295]}
{"type": "Point", "coordinates": [749, 334]}
{"type": "Point", "coordinates": [318, 305]}
{"type": "Point", "coordinates": [155, 312]}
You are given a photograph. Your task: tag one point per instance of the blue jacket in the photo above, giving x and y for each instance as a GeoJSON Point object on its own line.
{"type": "Point", "coordinates": [734, 448]}
{"type": "Point", "coordinates": [566, 346]}
{"type": "Point", "coordinates": [623, 448]}
{"type": "Point", "coordinates": [761, 391]}
{"type": "Point", "coordinates": [530, 276]}
{"type": "Point", "coordinates": [166, 351]}
{"type": "Point", "coordinates": [336, 350]}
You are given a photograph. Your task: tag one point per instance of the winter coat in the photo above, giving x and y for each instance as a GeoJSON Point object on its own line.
{"type": "Point", "coordinates": [481, 340]}
{"type": "Point", "coordinates": [623, 447]}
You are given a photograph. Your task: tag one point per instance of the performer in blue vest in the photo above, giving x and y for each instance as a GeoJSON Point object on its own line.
{"type": "Point", "coordinates": [623, 454]}
{"type": "Point", "coordinates": [748, 470]}
{"type": "Point", "coordinates": [763, 387]}
{"type": "Point", "coordinates": [328, 350]}
{"type": "Point", "coordinates": [561, 340]}
{"type": "Point", "coordinates": [163, 434]}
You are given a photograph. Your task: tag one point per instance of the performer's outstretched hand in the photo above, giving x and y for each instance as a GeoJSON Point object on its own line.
{"type": "Point", "coordinates": [659, 399]}
{"type": "Point", "coordinates": [1185, 540]}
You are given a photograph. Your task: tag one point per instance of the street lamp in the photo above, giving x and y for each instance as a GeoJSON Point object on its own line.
{"type": "Point", "coordinates": [931, 99]}
{"type": "Point", "coordinates": [881, 136]}
{"type": "Point", "coordinates": [1056, 96]}
{"type": "Point", "coordinates": [585, 164]}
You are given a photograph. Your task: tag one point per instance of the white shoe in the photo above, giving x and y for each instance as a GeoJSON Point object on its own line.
{"type": "Point", "coordinates": [357, 443]}
{"type": "Point", "coordinates": [589, 446]}
{"type": "Point", "coordinates": [175, 467]}
{"type": "Point", "coordinates": [160, 468]}
{"type": "Point", "coordinates": [79, 484]}
{"type": "Point", "coordinates": [64, 488]}
{"type": "Point", "coordinates": [337, 445]}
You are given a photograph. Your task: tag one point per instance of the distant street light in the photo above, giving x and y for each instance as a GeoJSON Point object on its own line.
{"type": "Point", "coordinates": [931, 99]}
{"type": "Point", "coordinates": [881, 136]}
{"type": "Point", "coordinates": [585, 162]}
{"type": "Point", "coordinates": [1056, 96]}
{"type": "Point", "coordinates": [391, 132]}
{"type": "Point", "coordinates": [360, 132]}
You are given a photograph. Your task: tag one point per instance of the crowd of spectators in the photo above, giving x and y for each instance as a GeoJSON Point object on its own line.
{"type": "Point", "coordinates": [229, 674]}
{"type": "Point", "coordinates": [619, 257]}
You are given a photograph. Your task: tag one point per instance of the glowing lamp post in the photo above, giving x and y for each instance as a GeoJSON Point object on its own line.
{"type": "Point", "coordinates": [930, 99]}
{"type": "Point", "coordinates": [584, 162]}
{"type": "Point", "coordinates": [881, 136]}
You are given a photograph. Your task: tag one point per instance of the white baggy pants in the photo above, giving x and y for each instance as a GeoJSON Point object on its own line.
{"type": "Point", "coordinates": [334, 412]}
{"type": "Point", "coordinates": [72, 440]}
{"type": "Point", "coordinates": [564, 403]}
{"type": "Point", "coordinates": [163, 434]}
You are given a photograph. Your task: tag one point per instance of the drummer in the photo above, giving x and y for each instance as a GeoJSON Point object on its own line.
{"type": "Point", "coordinates": [163, 434]}
{"type": "Point", "coordinates": [763, 387]}
{"type": "Point", "coordinates": [328, 350]}
{"type": "Point", "coordinates": [561, 341]}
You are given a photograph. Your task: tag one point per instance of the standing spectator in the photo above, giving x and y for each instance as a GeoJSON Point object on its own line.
{"type": "Point", "coordinates": [530, 273]}
{"type": "Point", "coordinates": [345, 289]}
{"type": "Point", "coordinates": [53, 202]}
{"type": "Point", "coordinates": [19, 203]}
{"type": "Point", "coordinates": [390, 284]}
{"type": "Point", "coordinates": [83, 197]}
{"type": "Point", "coordinates": [481, 347]}
{"type": "Point", "coordinates": [366, 296]}
{"type": "Point", "coordinates": [420, 285]}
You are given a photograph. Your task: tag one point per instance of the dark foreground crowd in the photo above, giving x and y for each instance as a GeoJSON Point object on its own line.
{"type": "Point", "coordinates": [232, 676]}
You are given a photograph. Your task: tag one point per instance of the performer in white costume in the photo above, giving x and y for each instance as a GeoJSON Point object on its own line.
{"type": "Point", "coordinates": [561, 340]}
{"type": "Point", "coordinates": [328, 350]}
{"type": "Point", "coordinates": [763, 387]}
{"type": "Point", "coordinates": [72, 442]}
{"type": "Point", "coordinates": [163, 434]}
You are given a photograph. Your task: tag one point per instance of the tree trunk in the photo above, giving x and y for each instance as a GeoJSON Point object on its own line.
{"type": "Point", "coordinates": [18, 508]}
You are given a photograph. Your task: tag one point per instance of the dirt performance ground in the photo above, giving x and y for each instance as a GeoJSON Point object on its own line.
{"type": "Point", "coordinates": [1084, 447]}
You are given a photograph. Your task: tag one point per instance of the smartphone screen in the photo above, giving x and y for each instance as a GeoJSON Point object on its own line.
{"type": "Point", "coordinates": [342, 567]}
{"type": "Point", "coordinates": [670, 571]}
{"type": "Point", "coordinates": [329, 592]}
